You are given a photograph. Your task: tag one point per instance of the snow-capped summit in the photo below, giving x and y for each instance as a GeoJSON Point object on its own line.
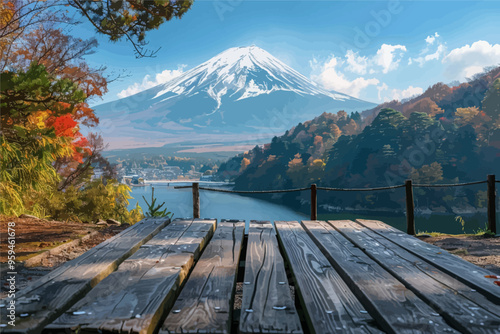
{"type": "Point", "coordinates": [243, 72]}
{"type": "Point", "coordinates": [240, 93]}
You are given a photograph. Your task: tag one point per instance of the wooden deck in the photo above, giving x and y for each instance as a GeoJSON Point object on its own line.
{"type": "Point", "coordinates": [180, 276]}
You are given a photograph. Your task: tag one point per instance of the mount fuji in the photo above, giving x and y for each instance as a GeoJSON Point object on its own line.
{"type": "Point", "coordinates": [242, 96]}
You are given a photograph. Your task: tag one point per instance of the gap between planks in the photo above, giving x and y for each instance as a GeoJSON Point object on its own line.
{"type": "Point", "coordinates": [47, 298]}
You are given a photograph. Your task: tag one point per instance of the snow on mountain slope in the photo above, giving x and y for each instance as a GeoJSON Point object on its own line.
{"type": "Point", "coordinates": [243, 72]}
{"type": "Point", "coordinates": [242, 91]}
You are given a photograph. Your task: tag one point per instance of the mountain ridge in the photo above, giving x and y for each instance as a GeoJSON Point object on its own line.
{"type": "Point", "coordinates": [243, 94]}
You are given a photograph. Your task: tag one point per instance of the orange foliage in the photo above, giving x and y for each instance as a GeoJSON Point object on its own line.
{"type": "Point", "coordinates": [425, 105]}
{"type": "Point", "coordinates": [350, 128]}
{"type": "Point", "coordinates": [7, 9]}
{"type": "Point", "coordinates": [295, 162]}
{"type": "Point", "coordinates": [244, 163]}
{"type": "Point", "coordinates": [61, 55]}
{"type": "Point", "coordinates": [335, 130]}
{"type": "Point", "coordinates": [64, 126]}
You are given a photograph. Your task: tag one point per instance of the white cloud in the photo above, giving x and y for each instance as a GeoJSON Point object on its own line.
{"type": "Point", "coordinates": [388, 58]}
{"type": "Point", "coordinates": [398, 94]}
{"type": "Point", "coordinates": [424, 55]}
{"type": "Point", "coordinates": [356, 63]}
{"type": "Point", "coordinates": [330, 77]}
{"type": "Point", "coordinates": [380, 89]}
{"type": "Point", "coordinates": [436, 55]}
{"type": "Point", "coordinates": [468, 60]}
{"type": "Point", "coordinates": [147, 83]}
{"type": "Point", "coordinates": [432, 56]}
{"type": "Point", "coordinates": [430, 39]}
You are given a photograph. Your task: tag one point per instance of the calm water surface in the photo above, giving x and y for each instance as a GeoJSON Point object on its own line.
{"type": "Point", "coordinates": [233, 206]}
{"type": "Point", "coordinates": [214, 204]}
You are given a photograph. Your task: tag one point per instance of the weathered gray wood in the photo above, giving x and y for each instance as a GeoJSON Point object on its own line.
{"type": "Point", "coordinates": [265, 290]}
{"type": "Point", "coordinates": [330, 305]}
{"type": "Point", "coordinates": [205, 303]}
{"type": "Point", "coordinates": [47, 298]}
{"type": "Point", "coordinates": [453, 265]}
{"type": "Point", "coordinates": [420, 277]}
{"type": "Point", "coordinates": [133, 298]}
{"type": "Point", "coordinates": [396, 308]}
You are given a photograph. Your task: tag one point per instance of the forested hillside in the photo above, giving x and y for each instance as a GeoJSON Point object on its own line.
{"type": "Point", "coordinates": [446, 135]}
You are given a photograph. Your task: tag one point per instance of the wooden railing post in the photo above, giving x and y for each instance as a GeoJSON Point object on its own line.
{"type": "Point", "coordinates": [492, 215]}
{"type": "Point", "coordinates": [410, 209]}
{"type": "Point", "coordinates": [314, 202]}
{"type": "Point", "coordinates": [196, 200]}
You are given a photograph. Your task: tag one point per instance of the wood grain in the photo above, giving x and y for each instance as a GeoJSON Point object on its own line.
{"type": "Point", "coordinates": [45, 299]}
{"type": "Point", "coordinates": [395, 308]}
{"type": "Point", "coordinates": [134, 298]}
{"type": "Point", "coordinates": [205, 303]}
{"type": "Point", "coordinates": [420, 277]}
{"type": "Point", "coordinates": [265, 290]}
{"type": "Point", "coordinates": [453, 265]}
{"type": "Point", "coordinates": [330, 305]}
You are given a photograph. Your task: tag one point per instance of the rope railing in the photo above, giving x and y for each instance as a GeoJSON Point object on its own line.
{"type": "Point", "coordinates": [361, 189]}
{"type": "Point", "coordinates": [449, 185]}
{"type": "Point", "coordinates": [408, 185]}
{"type": "Point", "coordinates": [247, 191]}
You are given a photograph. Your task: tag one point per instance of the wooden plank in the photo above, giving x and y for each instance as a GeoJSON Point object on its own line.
{"type": "Point", "coordinates": [205, 304]}
{"type": "Point", "coordinates": [47, 298]}
{"type": "Point", "coordinates": [267, 305]}
{"type": "Point", "coordinates": [329, 304]}
{"type": "Point", "coordinates": [134, 298]}
{"type": "Point", "coordinates": [453, 265]}
{"type": "Point", "coordinates": [397, 309]}
{"type": "Point", "coordinates": [426, 281]}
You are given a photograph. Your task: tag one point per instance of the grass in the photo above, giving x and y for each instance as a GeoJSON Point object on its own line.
{"type": "Point", "coordinates": [460, 251]}
{"type": "Point", "coordinates": [479, 233]}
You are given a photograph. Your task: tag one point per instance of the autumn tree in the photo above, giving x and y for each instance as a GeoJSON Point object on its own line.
{"type": "Point", "coordinates": [464, 116]}
{"type": "Point", "coordinates": [37, 129]}
{"type": "Point", "coordinates": [116, 19]}
{"type": "Point", "coordinates": [423, 105]}
{"type": "Point", "coordinates": [491, 102]}
{"type": "Point", "coordinates": [316, 170]}
{"type": "Point", "coordinates": [296, 171]}
{"type": "Point", "coordinates": [350, 128]}
{"type": "Point", "coordinates": [44, 94]}
{"type": "Point", "coordinates": [335, 130]}
{"type": "Point", "coordinates": [244, 164]}
{"type": "Point", "coordinates": [427, 174]}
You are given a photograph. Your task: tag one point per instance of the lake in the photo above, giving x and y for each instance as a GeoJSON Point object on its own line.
{"type": "Point", "coordinates": [214, 204]}
{"type": "Point", "coordinates": [234, 206]}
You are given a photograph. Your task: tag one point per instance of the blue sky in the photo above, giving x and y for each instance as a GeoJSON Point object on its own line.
{"type": "Point", "coordinates": [374, 50]}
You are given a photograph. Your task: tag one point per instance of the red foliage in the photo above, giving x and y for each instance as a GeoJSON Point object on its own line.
{"type": "Point", "coordinates": [81, 148]}
{"type": "Point", "coordinates": [64, 126]}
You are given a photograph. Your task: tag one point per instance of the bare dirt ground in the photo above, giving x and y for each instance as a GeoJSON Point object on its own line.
{"type": "Point", "coordinates": [483, 252]}
{"type": "Point", "coordinates": [35, 236]}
